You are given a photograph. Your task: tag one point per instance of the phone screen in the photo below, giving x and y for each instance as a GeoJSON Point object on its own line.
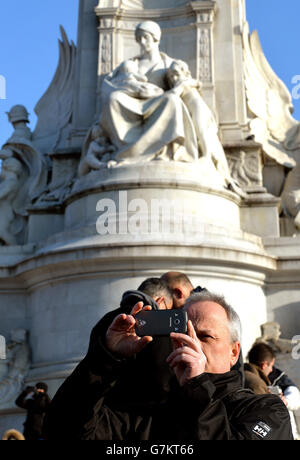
{"type": "Point", "coordinates": [160, 322]}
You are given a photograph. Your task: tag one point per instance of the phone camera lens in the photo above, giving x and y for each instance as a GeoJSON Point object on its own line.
{"type": "Point", "coordinates": [177, 321]}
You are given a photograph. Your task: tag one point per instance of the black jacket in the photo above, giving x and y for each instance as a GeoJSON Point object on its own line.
{"type": "Point", "coordinates": [139, 399]}
{"type": "Point", "coordinates": [36, 407]}
{"type": "Point", "coordinates": [209, 407]}
{"type": "Point", "coordinates": [73, 403]}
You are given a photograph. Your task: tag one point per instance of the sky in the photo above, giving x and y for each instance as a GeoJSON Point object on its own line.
{"type": "Point", "coordinates": [29, 33]}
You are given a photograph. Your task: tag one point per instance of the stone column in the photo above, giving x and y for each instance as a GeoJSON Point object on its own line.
{"type": "Point", "coordinates": [228, 67]}
{"type": "Point", "coordinates": [86, 72]}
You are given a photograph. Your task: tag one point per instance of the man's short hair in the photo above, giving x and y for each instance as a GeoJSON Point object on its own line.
{"type": "Point", "coordinates": [260, 353]}
{"type": "Point", "coordinates": [176, 277]}
{"type": "Point", "coordinates": [234, 322]}
{"type": "Point", "coordinates": [156, 287]}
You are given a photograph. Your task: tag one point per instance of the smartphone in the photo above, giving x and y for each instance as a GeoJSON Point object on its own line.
{"type": "Point", "coordinates": [161, 322]}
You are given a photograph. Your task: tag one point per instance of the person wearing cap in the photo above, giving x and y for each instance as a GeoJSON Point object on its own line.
{"type": "Point", "coordinates": [36, 401]}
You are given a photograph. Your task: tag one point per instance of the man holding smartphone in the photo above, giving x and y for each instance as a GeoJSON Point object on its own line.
{"type": "Point", "coordinates": [205, 401]}
{"type": "Point", "coordinates": [145, 380]}
{"type": "Point", "coordinates": [181, 288]}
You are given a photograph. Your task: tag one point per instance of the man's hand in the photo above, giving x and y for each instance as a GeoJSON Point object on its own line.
{"type": "Point", "coordinates": [121, 338]}
{"type": "Point", "coordinates": [284, 400]}
{"type": "Point", "coordinates": [29, 389]}
{"type": "Point", "coordinates": [187, 360]}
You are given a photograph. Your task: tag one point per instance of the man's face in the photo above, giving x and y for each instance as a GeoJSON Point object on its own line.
{"type": "Point", "coordinates": [268, 367]}
{"type": "Point", "coordinates": [211, 325]}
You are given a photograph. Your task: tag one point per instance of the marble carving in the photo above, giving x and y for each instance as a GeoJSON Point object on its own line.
{"type": "Point", "coordinates": [290, 198]}
{"type": "Point", "coordinates": [270, 105]}
{"type": "Point", "coordinates": [54, 109]}
{"type": "Point", "coordinates": [152, 109]}
{"type": "Point", "coordinates": [23, 177]}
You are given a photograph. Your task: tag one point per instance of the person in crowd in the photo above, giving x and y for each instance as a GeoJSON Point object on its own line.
{"type": "Point", "coordinates": [13, 435]}
{"type": "Point", "coordinates": [36, 401]}
{"type": "Point", "coordinates": [205, 399]}
{"type": "Point", "coordinates": [180, 285]}
{"type": "Point", "coordinates": [263, 377]}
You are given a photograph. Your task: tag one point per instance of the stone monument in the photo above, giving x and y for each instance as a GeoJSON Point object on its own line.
{"type": "Point", "coordinates": [151, 153]}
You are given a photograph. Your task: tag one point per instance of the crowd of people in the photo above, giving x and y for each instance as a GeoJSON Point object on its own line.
{"type": "Point", "coordinates": [182, 386]}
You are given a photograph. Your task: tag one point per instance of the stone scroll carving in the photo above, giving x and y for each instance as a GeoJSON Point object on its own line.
{"type": "Point", "coordinates": [23, 178]}
{"type": "Point", "coordinates": [15, 368]}
{"type": "Point", "coordinates": [152, 109]}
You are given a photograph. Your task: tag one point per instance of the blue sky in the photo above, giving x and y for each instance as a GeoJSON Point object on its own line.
{"type": "Point", "coordinates": [29, 30]}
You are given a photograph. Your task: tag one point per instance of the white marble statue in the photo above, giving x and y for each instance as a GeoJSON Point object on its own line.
{"type": "Point", "coordinates": [20, 146]}
{"type": "Point", "coordinates": [96, 151]}
{"type": "Point", "coordinates": [205, 125]}
{"type": "Point", "coordinates": [290, 198]}
{"type": "Point", "coordinates": [153, 109]}
{"type": "Point", "coordinates": [270, 105]}
{"type": "Point", "coordinates": [127, 77]}
{"type": "Point", "coordinates": [18, 364]}
{"type": "Point", "coordinates": [23, 177]}
{"type": "Point", "coordinates": [10, 183]}
{"type": "Point", "coordinates": [140, 116]}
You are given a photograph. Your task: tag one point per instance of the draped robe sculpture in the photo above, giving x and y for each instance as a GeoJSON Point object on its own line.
{"type": "Point", "coordinates": [145, 116]}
